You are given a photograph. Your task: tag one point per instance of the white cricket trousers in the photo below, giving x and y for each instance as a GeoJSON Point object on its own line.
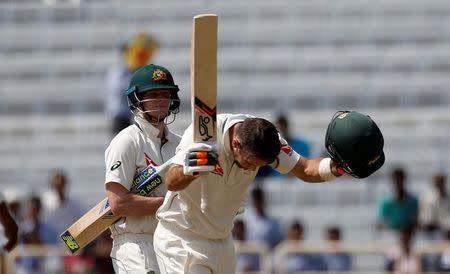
{"type": "Point", "coordinates": [134, 254]}
{"type": "Point", "coordinates": [182, 252]}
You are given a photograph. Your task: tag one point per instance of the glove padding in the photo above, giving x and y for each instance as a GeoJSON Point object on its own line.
{"type": "Point", "coordinates": [200, 157]}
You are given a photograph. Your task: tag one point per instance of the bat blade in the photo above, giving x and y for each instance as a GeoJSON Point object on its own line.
{"type": "Point", "coordinates": [89, 226]}
{"type": "Point", "coordinates": [204, 77]}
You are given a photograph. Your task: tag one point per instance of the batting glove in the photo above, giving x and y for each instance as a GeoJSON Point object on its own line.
{"type": "Point", "coordinates": [200, 157]}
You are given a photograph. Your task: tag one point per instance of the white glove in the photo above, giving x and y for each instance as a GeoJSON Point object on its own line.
{"type": "Point", "coordinates": [200, 157]}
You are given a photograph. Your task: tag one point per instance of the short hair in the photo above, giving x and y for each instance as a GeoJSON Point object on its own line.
{"type": "Point", "coordinates": [259, 137]}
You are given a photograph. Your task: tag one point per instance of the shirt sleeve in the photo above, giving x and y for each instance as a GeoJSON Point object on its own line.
{"type": "Point", "coordinates": [120, 161]}
{"type": "Point", "coordinates": [186, 141]}
{"type": "Point", "coordinates": [286, 159]}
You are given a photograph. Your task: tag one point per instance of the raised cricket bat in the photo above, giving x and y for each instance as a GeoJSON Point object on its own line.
{"type": "Point", "coordinates": [99, 218]}
{"type": "Point", "coordinates": [204, 77]}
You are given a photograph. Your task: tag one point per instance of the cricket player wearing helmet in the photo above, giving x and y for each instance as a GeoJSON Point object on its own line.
{"type": "Point", "coordinates": [152, 97]}
{"type": "Point", "coordinates": [196, 218]}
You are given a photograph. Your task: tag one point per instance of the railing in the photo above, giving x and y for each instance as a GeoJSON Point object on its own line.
{"type": "Point", "coordinates": [7, 265]}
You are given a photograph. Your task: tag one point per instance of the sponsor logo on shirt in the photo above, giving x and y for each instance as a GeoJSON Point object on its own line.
{"type": "Point", "coordinates": [116, 165]}
{"type": "Point", "coordinates": [218, 170]}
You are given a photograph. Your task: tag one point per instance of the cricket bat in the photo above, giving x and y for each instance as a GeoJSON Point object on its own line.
{"type": "Point", "coordinates": [99, 218]}
{"type": "Point", "coordinates": [204, 77]}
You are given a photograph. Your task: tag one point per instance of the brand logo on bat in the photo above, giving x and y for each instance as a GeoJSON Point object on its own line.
{"type": "Point", "coordinates": [204, 123]}
{"type": "Point", "coordinates": [206, 119]}
{"type": "Point", "coordinates": [70, 242]}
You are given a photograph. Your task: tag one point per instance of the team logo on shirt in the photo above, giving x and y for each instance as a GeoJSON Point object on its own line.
{"type": "Point", "coordinates": [286, 149]}
{"type": "Point", "coordinates": [159, 75]}
{"type": "Point", "coordinates": [218, 170]}
{"type": "Point", "coordinates": [116, 165]}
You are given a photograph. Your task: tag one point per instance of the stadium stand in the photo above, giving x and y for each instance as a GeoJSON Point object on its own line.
{"type": "Point", "coordinates": [387, 58]}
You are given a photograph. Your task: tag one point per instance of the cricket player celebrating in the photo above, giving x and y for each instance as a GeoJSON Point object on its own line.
{"type": "Point", "coordinates": [152, 97]}
{"type": "Point", "coordinates": [207, 184]}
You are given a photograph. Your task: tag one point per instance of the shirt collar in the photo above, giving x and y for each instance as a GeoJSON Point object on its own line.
{"type": "Point", "coordinates": [149, 129]}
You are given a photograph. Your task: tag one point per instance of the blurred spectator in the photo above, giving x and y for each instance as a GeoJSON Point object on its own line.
{"type": "Point", "coordinates": [300, 145]}
{"type": "Point", "coordinates": [82, 263]}
{"type": "Point", "coordinates": [262, 228]}
{"type": "Point", "coordinates": [401, 258]}
{"type": "Point", "coordinates": [60, 210]}
{"type": "Point", "coordinates": [444, 258]}
{"type": "Point", "coordinates": [336, 261]}
{"type": "Point", "coordinates": [297, 262]}
{"type": "Point", "coordinates": [295, 232]}
{"type": "Point", "coordinates": [435, 206]}
{"type": "Point", "coordinates": [245, 262]}
{"type": "Point", "coordinates": [8, 227]}
{"type": "Point", "coordinates": [36, 232]}
{"type": "Point", "coordinates": [134, 54]}
{"type": "Point", "coordinates": [34, 227]}
{"type": "Point", "coordinates": [399, 211]}
{"type": "Point", "coordinates": [13, 201]}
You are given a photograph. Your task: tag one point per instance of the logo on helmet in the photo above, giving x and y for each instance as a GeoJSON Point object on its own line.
{"type": "Point", "coordinates": [371, 162]}
{"type": "Point", "coordinates": [159, 75]}
{"type": "Point", "coordinates": [342, 116]}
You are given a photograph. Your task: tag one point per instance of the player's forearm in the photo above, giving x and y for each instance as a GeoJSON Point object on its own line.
{"type": "Point", "coordinates": [175, 178]}
{"type": "Point", "coordinates": [308, 170]}
{"type": "Point", "coordinates": [132, 205]}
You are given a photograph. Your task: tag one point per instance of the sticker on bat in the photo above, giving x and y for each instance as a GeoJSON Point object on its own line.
{"type": "Point", "coordinates": [70, 242]}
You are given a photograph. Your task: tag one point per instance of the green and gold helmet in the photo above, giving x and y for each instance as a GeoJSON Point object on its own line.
{"type": "Point", "coordinates": [148, 78]}
{"type": "Point", "coordinates": [355, 143]}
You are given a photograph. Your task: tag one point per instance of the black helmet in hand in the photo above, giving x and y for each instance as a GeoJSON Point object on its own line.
{"type": "Point", "coordinates": [355, 143]}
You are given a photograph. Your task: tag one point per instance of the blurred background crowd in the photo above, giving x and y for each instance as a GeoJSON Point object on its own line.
{"type": "Point", "coordinates": [65, 64]}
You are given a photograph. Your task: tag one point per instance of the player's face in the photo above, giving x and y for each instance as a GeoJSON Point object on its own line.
{"type": "Point", "coordinates": [246, 160]}
{"type": "Point", "coordinates": [156, 103]}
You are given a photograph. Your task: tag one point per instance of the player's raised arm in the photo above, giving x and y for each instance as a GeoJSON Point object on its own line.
{"type": "Point", "coordinates": [316, 170]}
{"type": "Point", "coordinates": [355, 145]}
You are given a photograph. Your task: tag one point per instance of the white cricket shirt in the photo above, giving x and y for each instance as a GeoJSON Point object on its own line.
{"type": "Point", "coordinates": [209, 204]}
{"type": "Point", "coordinates": [131, 151]}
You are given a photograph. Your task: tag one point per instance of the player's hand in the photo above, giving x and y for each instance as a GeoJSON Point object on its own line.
{"type": "Point", "coordinates": [200, 157]}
